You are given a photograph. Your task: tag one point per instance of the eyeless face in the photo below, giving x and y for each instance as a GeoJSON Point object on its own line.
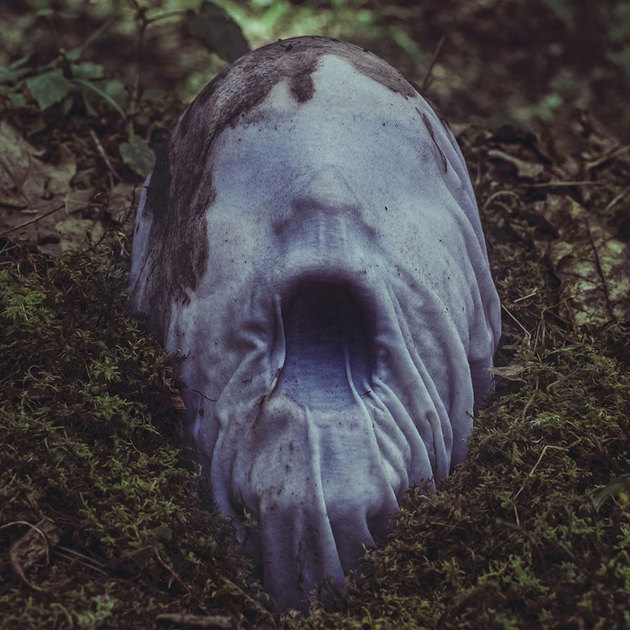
{"type": "Point", "coordinates": [342, 316]}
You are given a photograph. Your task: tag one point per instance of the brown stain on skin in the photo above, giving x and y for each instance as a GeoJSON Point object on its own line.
{"type": "Point", "coordinates": [427, 124]}
{"type": "Point", "coordinates": [302, 87]}
{"type": "Point", "coordinates": [181, 188]}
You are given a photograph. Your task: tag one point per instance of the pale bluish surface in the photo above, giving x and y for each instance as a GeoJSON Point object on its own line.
{"type": "Point", "coordinates": [343, 325]}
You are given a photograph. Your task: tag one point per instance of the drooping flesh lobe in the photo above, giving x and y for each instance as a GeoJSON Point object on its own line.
{"type": "Point", "coordinates": [325, 492]}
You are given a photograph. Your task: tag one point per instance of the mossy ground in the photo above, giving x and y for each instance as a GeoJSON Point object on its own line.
{"type": "Point", "coordinates": [531, 531]}
{"type": "Point", "coordinates": [92, 442]}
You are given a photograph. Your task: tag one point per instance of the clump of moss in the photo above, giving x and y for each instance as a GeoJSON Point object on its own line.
{"type": "Point", "coordinates": [533, 529]}
{"type": "Point", "coordinates": [92, 444]}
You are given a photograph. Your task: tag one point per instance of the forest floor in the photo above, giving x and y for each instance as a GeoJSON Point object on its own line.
{"type": "Point", "coordinates": [104, 519]}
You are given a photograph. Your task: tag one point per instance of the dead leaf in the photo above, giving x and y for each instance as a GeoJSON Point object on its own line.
{"type": "Point", "coordinates": [33, 548]}
{"type": "Point", "coordinates": [32, 193]}
{"type": "Point", "coordinates": [76, 231]}
{"type": "Point", "coordinates": [77, 200]}
{"type": "Point", "coordinates": [590, 262]}
{"type": "Point", "coordinates": [217, 31]}
{"type": "Point", "coordinates": [137, 155]}
{"type": "Point", "coordinates": [44, 185]}
{"type": "Point", "coordinates": [524, 169]}
{"type": "Point", "coordinates": [122, 201]}
{"type": "Point", "coordinates": [56, 218]}
{"type": "Point", "coordinates": [510, 372]}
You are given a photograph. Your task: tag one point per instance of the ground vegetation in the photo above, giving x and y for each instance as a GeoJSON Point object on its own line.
{"type": "Point", "coordinates": [104, 518]}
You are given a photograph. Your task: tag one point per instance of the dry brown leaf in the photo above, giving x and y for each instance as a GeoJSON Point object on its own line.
{"type": "Point", "coordinates": [589, 261]}
{"type": "Point", "coordinates": [524, 168]}
{"type": "Point", "coordinates": [25, 175]}
{"type": "Point", "coordinates": [511, 372]}
{"type": "Point", "coordinates": [33, 547]}
{"type": "Point", "coordinates": [122, 200]}
{"type": "Point", "coordinates": [56, 217]}
{"type": "Point", "coordinates": [75, 231]}
{"type": "Point", "coordinates": [33, 193]}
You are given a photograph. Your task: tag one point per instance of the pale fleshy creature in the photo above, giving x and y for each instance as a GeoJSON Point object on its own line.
{"type": "Point", "coordinates": [309, 241]}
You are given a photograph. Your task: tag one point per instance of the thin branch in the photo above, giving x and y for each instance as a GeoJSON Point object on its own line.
{"type": "Point", "coordinates": [614, 202]}
{"type": "Point", "coordinates": [528, 335]}
{"type": "Point", "coordinates": [530, 474]}
{"type": "Point", "coordinates": [101, 152]}
{"type": "Point", "coordinates": [600, 269]}
{"type": "Point", "coordinates": [97, 33]}
{"type": "Point", "coordinates": [172, 571]}
{"type": "Point", "coordinates": [562, 184]}
{"type": "Point", "coordinates": [609, 156]}
{"type": "Point", "coordinates": [428, 77]}
{"type": "Point", "coordinates": [35, 220]}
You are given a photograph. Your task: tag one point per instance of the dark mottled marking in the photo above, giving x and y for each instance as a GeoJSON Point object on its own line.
{"type": "Point", "coordinates": [302, 87]}
{"type": "Point", "coordinates": [434, 107]}
{"type": "Point", "coordinates": [181, 188]}
{"type": "Point", "coordinates": [427, 124]}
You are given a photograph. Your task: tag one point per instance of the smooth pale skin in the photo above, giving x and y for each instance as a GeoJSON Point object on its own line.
{"type": "Point", "coordinates": [338, 335]}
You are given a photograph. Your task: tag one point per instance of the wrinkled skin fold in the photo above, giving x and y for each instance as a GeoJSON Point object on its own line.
{"type": "Point", "coordinates": [309, 241]}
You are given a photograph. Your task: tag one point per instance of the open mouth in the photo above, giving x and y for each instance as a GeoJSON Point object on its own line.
{"type": "Point", "coordinates": [328, 330]}
{"type": "Point", "coordinates": [322, 458]}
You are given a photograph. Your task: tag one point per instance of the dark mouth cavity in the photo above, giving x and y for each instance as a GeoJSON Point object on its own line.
{"type": "Point", "coordinates": [328, 345]}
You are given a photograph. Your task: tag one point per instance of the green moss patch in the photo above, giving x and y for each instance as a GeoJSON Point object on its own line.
{"type": "Point", "coordinates": [533, 529]}
{"type": "Point", "coordinates": [92, 453]}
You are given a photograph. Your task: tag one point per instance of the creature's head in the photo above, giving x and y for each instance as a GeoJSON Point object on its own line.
{"type": "Point", "coordinates": [309, 241]}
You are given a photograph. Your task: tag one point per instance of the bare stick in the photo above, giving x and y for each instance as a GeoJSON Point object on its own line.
{"type": "Point", "coordinates": [35, 220]}
{"type": "Point", "coordinates": [428, 77]}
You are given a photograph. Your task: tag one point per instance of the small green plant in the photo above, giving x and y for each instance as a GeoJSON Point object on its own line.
{"type": "Point", "coordinates": [70, 80]}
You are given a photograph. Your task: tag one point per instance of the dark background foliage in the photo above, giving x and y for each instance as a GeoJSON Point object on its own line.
{"type": "Point", "coordinates": [504, 60]}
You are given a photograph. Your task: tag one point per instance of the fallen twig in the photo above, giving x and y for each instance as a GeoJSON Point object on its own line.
{"type": "Point", "coordinates": [101, 152]}
{"type": "Point", "coordinates": [428, 77]}
{"type": "Point", "coordinates": [35, 220]}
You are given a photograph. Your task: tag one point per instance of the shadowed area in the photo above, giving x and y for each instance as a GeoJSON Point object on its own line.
{"type": "Point", "coordinates": [327, 347]}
